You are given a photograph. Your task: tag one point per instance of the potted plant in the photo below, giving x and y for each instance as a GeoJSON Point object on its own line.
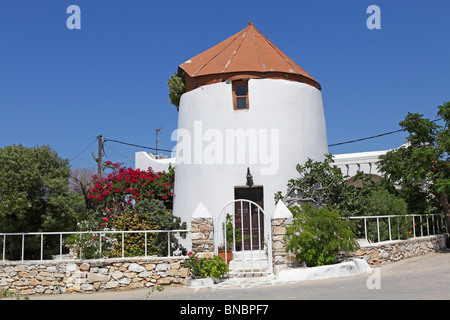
{"type": "Point", "coordinates": [205, 271]}
{"type": "Point", "coordinates": [228, 230]}
{"type": "Point", "coordinates": [226, 254]}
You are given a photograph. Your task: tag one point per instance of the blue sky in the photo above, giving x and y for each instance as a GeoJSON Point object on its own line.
{"type": "Point", "coordinates": [64, 87]}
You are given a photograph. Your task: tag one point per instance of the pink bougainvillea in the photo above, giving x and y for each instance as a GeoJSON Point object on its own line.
{"type": "Point", "coordinates": [123, 186]}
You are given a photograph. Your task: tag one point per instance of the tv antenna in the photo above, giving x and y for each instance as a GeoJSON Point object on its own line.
{"type": "Point", "coordinates": [157, 131]}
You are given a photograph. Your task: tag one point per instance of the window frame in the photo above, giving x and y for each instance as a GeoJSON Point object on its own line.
{"type": "Point", "coordinates": [235, 84]}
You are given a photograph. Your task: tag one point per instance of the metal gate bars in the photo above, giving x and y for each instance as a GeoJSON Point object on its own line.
{"type": "Point", "coordinates": [243, 228]}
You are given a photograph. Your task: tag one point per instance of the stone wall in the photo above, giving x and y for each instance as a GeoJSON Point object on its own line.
{"type": "Point", "coordinates": [65, 276]}
{"type": "Point", "coordinates": [373, 254]}
{"type": "Point", "coordinates": [281, 259]}
{"type": "Point", "coordinates": [391, 251]}
{"type": "Point", "coordinates": [202, 235]}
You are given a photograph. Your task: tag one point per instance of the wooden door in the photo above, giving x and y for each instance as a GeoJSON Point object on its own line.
{"type": "Point", "coordinates": [242, 213]}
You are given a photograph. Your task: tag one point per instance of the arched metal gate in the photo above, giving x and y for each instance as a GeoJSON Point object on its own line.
{"type": "Point", "coordinates": [243, 228]}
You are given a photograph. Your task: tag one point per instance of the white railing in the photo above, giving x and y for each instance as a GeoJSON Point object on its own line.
{"type": "Point", "coordinates": [93, 233]}
{"type": "Point", "coordinates": [435, 225]}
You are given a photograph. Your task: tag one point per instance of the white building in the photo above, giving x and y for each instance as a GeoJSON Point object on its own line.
{"type": "Point", "coordinates": [247, 106]}
{"type": "Point", "coordinates": [351, 163]}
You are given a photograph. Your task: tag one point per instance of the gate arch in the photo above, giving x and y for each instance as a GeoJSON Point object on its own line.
{"type": "Point", "coordinates": [254, 255]}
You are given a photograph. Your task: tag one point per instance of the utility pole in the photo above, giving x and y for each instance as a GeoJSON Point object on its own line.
{"type": "Point", "coordinates": [100, 153]}
{"type": "Point", "coordinates": [157, 131]}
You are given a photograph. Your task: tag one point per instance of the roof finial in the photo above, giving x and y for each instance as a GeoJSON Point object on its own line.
{"type": "Point", "coordinates": [250, 24]}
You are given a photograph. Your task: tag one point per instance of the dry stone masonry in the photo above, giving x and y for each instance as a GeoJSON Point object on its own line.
{"type": "Point", "coordinates": [373, 254]}
{"type": "Point", "coordinates": [281, 219]}
{"type": "Point", "coordinates": [281, 259]}
{"type": "Point", "coordinates": [392, 251]}
{"type": "Point", "coordinates": [52, 277]}
{"type": "Point", "coordinates": [202, 235]}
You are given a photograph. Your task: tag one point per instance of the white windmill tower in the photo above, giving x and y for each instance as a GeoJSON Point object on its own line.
{"type": "Point", "coordinates": [247, 107]}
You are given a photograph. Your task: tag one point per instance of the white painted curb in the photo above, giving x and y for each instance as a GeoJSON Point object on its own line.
{"type": "Point", "coordinates": [344, 269]}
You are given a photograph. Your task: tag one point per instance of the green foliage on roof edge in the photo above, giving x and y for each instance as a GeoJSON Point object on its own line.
{"type": "Point", "coordinates": [176, 89]}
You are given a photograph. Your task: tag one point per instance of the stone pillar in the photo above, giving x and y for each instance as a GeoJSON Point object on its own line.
{"type": "Point", "coordinates": [281, 219]}
{"type": "Point", "coordinates": [202, 232]}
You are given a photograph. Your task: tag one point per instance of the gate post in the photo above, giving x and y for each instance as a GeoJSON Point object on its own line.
{"type": "Point", "coordinates": [202, 232]}
{"type": "Point", "coordinates": [281, 219]}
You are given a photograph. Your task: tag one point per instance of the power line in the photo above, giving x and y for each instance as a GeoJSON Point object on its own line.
{"type": "Point", "coordinates": [95, 165]}
{"type": "Point", "coordinates": [362, 139]}
{"type": "Point", "coordinates": [372, 137]}
{"type": "Point", "coordinates": [46, 138]}
{"type": "Point", "coordinates": [83, 150]}
{"type": "Point", "coordinates": [135, 145]}
{"type": "Point", "coordinates": [157, 149]}
{"type": "Point", "coordinates": [127, 159]}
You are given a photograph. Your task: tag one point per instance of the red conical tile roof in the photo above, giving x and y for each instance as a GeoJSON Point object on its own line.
{"type": "Point", "coordinates": [247, 54]}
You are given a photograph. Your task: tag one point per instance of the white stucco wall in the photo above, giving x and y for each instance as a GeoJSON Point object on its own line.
{"type": "Point", "coordinates": [289, 112]}
{"type": "Point", "coordinates": [351, 163]}
{"type": "Point", "coordinates": [143, 161]}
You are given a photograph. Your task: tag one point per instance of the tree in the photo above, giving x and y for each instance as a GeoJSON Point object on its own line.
{"type": "Point", "coordinates": [34, 193]}
{"type": "Point", "coordinates": [319, 182]}
{"type": "Point", "coordinates": [419, 170]}
{"type": "Point", "coordinates": [81, 181]}
{"type": "Point", "coordinates": [322, 184]}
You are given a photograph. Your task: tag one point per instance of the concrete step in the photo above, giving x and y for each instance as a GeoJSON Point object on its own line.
{"type": "Point", "coordinates": [250, 254]}
{"type": "Point", "coordinates": [249, 260]}
{"type": "Point", "coordinates": [248, 266]}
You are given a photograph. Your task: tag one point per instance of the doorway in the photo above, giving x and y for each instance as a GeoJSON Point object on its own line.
{"type": "Point", "coordinates": [250, 216]}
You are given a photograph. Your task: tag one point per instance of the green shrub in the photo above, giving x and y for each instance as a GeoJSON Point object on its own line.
{"type": "Point", "coordinates": [316, 236]}
{"type": "Point", "coordinates": [134, 243]}
{"type": "Point", "coordinates": [206, 267]}
{"type": "Point", "coordinates": [147, 214]}
{"type": "Point", "coordinates": [379, 202]}
{"type": "Point", "coordinates": [165, 220]}
{"type": "Point", "coordinates": [176, 89]}
{"type": "Point", "coordinates": [214, 267]}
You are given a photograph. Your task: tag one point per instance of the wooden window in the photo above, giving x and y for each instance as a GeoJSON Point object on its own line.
{"type": "Point", "coordinates": [240, 95]}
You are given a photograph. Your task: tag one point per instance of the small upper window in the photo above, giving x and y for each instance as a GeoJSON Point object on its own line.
{"type": "Point", "coordinates": [240, 95]}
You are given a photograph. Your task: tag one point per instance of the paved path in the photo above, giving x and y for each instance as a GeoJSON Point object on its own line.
{"type": "Point", "coordinates": [425, 277]}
